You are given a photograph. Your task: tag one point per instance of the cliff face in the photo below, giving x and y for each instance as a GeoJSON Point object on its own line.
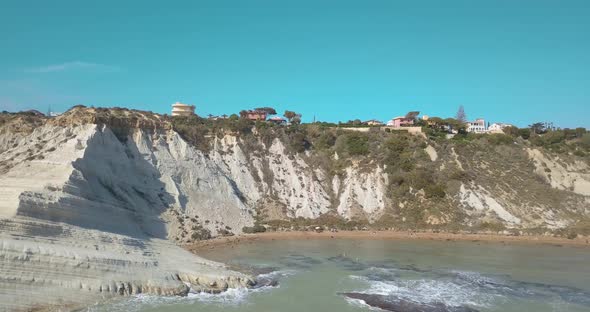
{"type": "Point", "coordinates": [101, 194]}
{"type": "Point", "coordinates": [84, 216]}
{"type": "Point", "coordinates": [134, 167]}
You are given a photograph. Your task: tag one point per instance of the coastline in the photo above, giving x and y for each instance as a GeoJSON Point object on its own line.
{"type": "Point", "coordinates": [230, 241]}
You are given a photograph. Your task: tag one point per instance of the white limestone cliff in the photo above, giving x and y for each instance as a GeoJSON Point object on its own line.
{"type": "Point", "coordinates": [83, 217]}
{"type": "Point", "coordinates": [88, 212]}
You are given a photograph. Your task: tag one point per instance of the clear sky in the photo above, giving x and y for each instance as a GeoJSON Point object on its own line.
{"type": "Point", "coordinates": [515, 61]}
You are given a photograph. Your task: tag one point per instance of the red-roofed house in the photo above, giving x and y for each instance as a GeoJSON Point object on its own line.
{"type": "Point", "coordinates": [255, 115]}
{"type": "Point", "coordinates": [399, 122]}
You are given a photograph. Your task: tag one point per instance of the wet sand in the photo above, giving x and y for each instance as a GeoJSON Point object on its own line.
{"type": "Point", "coordinates": [582, 242]}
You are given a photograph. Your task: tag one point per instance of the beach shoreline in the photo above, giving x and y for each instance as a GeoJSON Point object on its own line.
{"type": "Point", "coordinates": [230, 241]}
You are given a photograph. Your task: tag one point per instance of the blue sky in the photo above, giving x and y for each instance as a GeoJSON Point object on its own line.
{"type": "Point", "coordinates": [515, 61]}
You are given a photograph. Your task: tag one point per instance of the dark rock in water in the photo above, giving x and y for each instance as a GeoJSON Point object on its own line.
{"type": "Point", "coordinates": [382, 276]}
{"type": "Point", "coordinates": [299, 261]}
{"type": "Point", "coordinates": [262, 270]}
{"type": "Point", "coordinates": [266, 278]}
{"type": "Point", "coordinates": [413, 268]}
{"type": "Point", "coordinates": [304, 259]}
{"type": "Point", "coordinates": [395, 304]}
{"type": "Point", "coordinates": [502, 285]}
{"type": "Point", "coordinates": [265, 282]}
{"type": "Point", "coordinates": [348, 263]}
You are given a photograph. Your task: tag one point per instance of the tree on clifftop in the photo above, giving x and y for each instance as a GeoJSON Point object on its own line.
{"type": "Point", "coordinates": [461, 114]}
{"type": "Point", "coordinates": [538, 128]}
{"type": "Point", "coordinates": [268, 110]}
{"type": "Point", "coordinates": [412, 115]}
{"type": "Point", "coordinates": [293, 117]}
{"type": "Point", "coordinates": [455, 124]}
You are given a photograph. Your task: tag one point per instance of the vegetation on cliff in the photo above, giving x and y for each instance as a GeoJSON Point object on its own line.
{"type": "Point", "coordinates": [424, 191]}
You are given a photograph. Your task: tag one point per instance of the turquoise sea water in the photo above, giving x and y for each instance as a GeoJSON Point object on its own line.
{"type": "Point", "coordinates": [351, 275]}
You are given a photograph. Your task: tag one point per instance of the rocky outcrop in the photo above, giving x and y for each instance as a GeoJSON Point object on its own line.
{"type": "Point", "coordinates": [361, 193]}
{"type": "Point", "coordinates": [386, 303]}
{"type": "Point", "coordinates": [480, 203]}
{"type": "Point", "coordinates": [570, 175]}
{"type": "Point", "coordinates": [87, 217]}
{"type": "Point", "coordinates": [55, 264]}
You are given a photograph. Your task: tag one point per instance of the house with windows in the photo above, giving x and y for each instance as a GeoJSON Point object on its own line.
{"type": "Point", "coordinates": [179, 109]}
{"type": "Point", "coordinates": [399, 122]}
{"type": "Point", "coordinates": [477, 126]}
{"type": "Point", "coordinates": [373, 122]}
{"type": "Point", "coordinates": [254, 115]}
{"type": "Point", "coordinates": [498, 127]}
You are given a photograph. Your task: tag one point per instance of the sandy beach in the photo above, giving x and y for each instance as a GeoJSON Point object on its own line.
{"type": "Point", "coordinates": [220, 242]}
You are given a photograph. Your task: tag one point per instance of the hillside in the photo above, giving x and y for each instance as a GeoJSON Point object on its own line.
{"type": "Point", "coordinates": [118, 185]}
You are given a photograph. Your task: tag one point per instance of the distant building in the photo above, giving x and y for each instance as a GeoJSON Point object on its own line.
{"type": "Point", "coordinates": [477, 126]}
{"type": "Point", "coordinates": [425, 117]}
{"type": "Point", "coordinates": [179, 109]}
{"type": "Point", "coordinates": [373, 122]}
{"type": "Point", "coordinates": [399, 122]}
{"type": "Point", "coordinates": [278, 120]}
{"type": "Point", "coordinates": [213, 117]}
{"type": "Point", "coordinates": [255, 115]}
{"type": "Point", "coordinates": [498, 127]}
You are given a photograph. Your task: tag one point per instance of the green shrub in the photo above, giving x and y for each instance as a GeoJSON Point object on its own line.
{"type": "Point", "coordinates": [254, 229]}
{"type": "Point", "coordinates": [572, 235]}
{"type": "Point", "coordinates": [224, 232]}
{"type": "Point", "coordinates": [435, 191]}
{"type": "Point", "coordinates": [397, 144]}
{"type": "Point", "coordinates": [398, 154]}
{"type": "Point", "coordinates": [499, 139]}
{"type": "Point", "coordinates": [357, 144]}
{"type": "Point", "coordinates": [459, 175]}
{"type": "Point", "coordinates": [420, 178]}
{"type": "Point", "coordinates": [326, 140]}
{"type": "Point", "coordinates": [193, 129]}
{"type": "Point", "coordinates": [397, 179]}
{"type": "Point", "coordinates": [406, 161]}
{"type": "Point", "coordinates": [579, 153]}
{"type": "Point", "coordinates": [524, 133]}
{"type": "Point", "coordinates": [492, 226]}
{"type": "Point", "coordinates": [298, 142]}
{"type": "Point", "coordinates": [511, 131]}
{"type": "Point", "coordinates": [554, 137]}
{"type": "Point", "coordinates": [201, 233]}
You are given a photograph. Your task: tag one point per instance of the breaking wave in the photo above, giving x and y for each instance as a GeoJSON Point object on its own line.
{"type": "Point", "coordinates": [451, 290]}
{"type": "Point", "coordinates": [429, 291]}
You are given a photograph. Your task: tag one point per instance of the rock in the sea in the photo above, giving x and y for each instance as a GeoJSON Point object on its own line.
{"type": "Point", "coordinates": [394, 304]}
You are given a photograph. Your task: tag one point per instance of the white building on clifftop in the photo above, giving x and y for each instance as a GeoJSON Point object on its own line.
{"type": "Point", "coordinates": [498, 127]}
{"type": "Point", "coordinates": [477, 126]}
{"type": "Point", "coordinates": [179, 109]}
